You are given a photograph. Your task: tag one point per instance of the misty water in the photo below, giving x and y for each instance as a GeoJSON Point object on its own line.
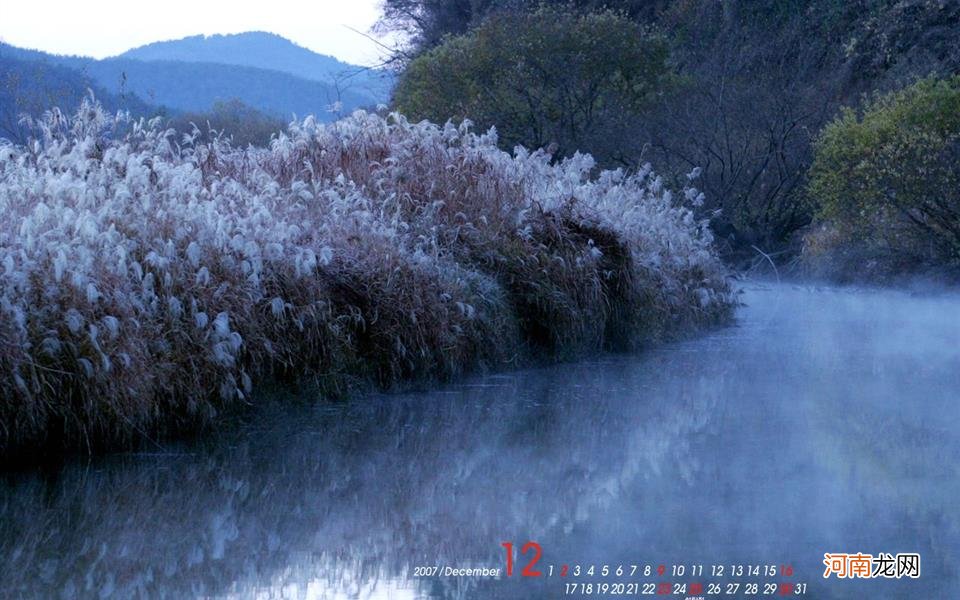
{"type": "Point", "coordinates": [823, 420]}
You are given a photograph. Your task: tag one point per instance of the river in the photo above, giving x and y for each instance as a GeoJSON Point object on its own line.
{"type": "Point", "coordinates": [823, 420]}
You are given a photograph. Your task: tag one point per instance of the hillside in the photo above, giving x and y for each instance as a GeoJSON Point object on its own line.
{"type": "Point", "coordinates": [765, 78]}
{"type": "Point", "coordinates": [34, 86]}
{"type": "Point", "coordinates": [196, 85]}
{"type": "Point", "coordinates": [264, 50]}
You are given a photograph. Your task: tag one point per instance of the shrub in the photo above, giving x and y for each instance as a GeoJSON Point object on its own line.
{"type": "Point", "coordinates": [244, 124]}
{"type": "Point", "coordinates": [551, 76]}
{"type": "Point", "coordinates": [887, 181]}
{"type": "Point", "coordinates": [146, 284]}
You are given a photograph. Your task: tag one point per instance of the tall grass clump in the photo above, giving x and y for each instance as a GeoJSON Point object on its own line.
{"type": "Point", "coordinates": [148, 281]}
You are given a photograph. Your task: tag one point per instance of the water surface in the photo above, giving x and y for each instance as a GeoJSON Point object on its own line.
{"type": "Point", "coordinates": [825, 420]}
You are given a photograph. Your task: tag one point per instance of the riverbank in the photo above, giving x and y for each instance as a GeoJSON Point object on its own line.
{"type": "Point", "coordinates": [148, 283]}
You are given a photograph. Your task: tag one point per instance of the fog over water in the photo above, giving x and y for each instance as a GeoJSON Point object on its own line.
{"type": "Point", "coordinates": [824, 420]}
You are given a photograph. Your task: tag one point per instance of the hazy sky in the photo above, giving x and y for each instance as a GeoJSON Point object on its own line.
{"type": "Point", "coordinates": [102, 28]}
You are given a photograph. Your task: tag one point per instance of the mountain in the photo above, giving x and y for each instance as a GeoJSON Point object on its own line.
{"type": "Point", "coordinates": [191, 80]}
{"type": "Point", "coordinates": [196, 86]}
{"type": "Point", "coordinates": [29, 85]}
{"type": "Point", "coordinates": [269, 51]}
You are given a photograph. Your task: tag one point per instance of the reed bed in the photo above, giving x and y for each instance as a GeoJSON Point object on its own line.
{"type": "Point", "coordinates": [148, 282]}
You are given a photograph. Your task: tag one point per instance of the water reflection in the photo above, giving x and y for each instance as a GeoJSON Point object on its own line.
{"type": "Point", "coordinates": [824, 422]}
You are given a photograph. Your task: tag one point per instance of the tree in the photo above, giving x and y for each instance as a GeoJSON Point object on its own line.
{"type": "Point", "coordinates": [243, 123]}
{"type": "Point", "coordinates": [552, 77]}
{"type": "Point", "coordinates": [889, 179]}
{"type": "Point", "coordinates": [426, 23]}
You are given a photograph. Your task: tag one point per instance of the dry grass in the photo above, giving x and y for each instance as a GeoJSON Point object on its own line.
{"type": "Point", "coordinates": [148, 282]}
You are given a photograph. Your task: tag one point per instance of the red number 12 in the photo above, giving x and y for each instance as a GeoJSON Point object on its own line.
{"type": "Point", "coordinates": [527, 570]}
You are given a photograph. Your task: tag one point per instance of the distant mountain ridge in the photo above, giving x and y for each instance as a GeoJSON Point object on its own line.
{"type": "Point", "coordinates": [30, 87]}
{"type": "Point", "coordinates": [262, 70]}
{"type": "Point", "coordinates": [196, 86]}
{"type": "Point", "coordinates": [263, 50]}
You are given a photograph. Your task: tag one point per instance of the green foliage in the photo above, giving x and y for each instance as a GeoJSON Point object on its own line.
{"type": "Point", "coordinates": [549, 77]}
{"type": "Point", "coordinates": [889, 178]}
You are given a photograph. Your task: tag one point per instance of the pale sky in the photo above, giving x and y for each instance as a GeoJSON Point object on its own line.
{"type": "Point", "coordinates": [101, 28]}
